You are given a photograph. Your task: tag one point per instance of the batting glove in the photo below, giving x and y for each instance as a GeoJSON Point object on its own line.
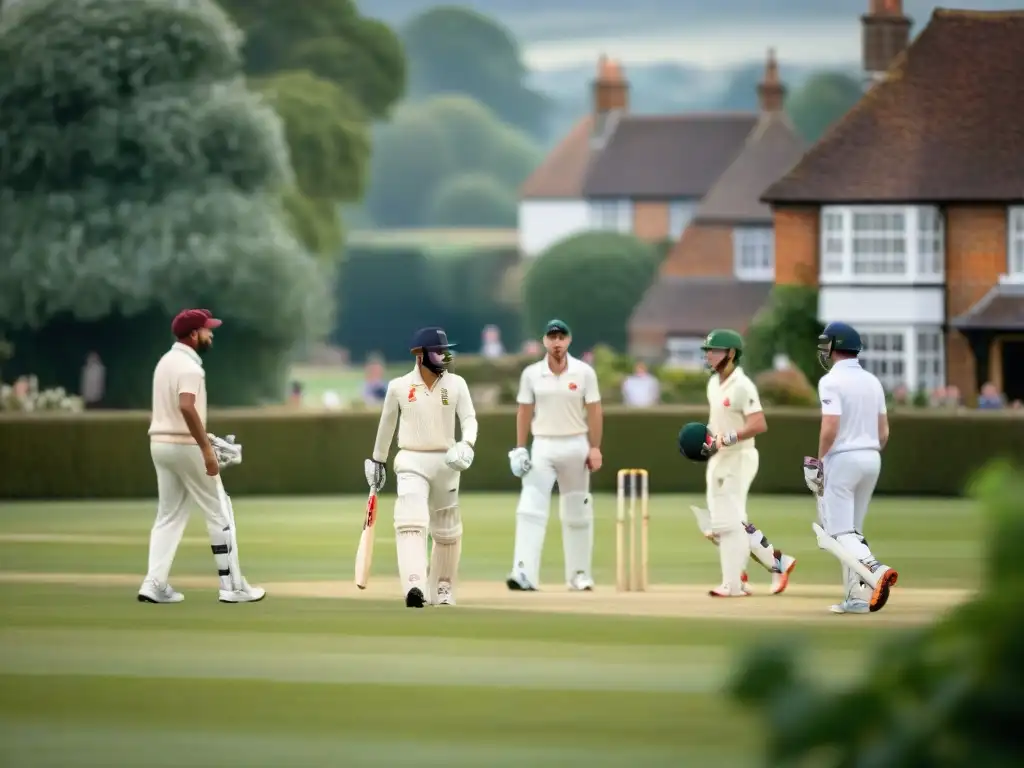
{"type": "Point", "coordinates": [459, 456]}
{"type": "Point", "coordinates": [376, 474]}
{"type": "Point", "coordinates": [519, 461]}
{"type": "Point", "coordinates": [814, 475]}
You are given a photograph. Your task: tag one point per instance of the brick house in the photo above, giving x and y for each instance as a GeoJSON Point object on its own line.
{"type": "Point", "coordinates": [722, 269]}
{"type": "Point", "coordinates": [623, 172]}
{"type": "Point", "coordinates": [908, 215]}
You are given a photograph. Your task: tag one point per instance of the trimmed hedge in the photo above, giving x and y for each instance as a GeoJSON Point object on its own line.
{"type": "Point", "coordinates": [106, 455]}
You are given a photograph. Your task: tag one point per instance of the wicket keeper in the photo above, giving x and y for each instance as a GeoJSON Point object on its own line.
{"type": "Point", "coordinates": [735, 418]}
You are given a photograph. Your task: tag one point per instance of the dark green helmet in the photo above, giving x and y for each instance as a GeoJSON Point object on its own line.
{"type": "Point", "coordinates": [692, 439]}
{"type": "Point", "coordinates": [724, 338]}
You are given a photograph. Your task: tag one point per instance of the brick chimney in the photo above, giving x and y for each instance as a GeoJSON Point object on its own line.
{"type": "Point", "coordinates": [771, 93]}
{"type": "Point", "coordinates": [885, 35]}
{"type": "Point", "coordinates": [611, 98]}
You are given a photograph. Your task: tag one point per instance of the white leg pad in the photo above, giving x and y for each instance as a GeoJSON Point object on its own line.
{"type": "Point", "coordinates": [576, 511]}
{"type": "Point", "coordinates": [446, 533]}
{"type": "Point", "coordinates": [761, 550]}
{"type": "Point", "coordinates": [411, 521]}
{"type": "Point", "coordinates": [531, 528]}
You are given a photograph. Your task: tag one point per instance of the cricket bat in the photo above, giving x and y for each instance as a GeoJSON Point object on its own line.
{"type": "Point", "coordinates": [364, 555]}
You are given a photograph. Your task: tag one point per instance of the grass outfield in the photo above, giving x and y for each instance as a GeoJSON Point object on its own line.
{"type": "Point", "coordinates": [321, 675]}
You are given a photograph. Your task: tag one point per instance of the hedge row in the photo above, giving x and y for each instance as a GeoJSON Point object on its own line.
{"type": "Point", "coordinates": [99, 455]}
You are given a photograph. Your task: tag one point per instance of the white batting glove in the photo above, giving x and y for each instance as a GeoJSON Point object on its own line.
{"type": "Point", "coordinates": [814, 475]}
{"type": "Point", "coordinates": [227, 451]}
{"type": "Point", "coordinates": [376, 474]}
{"type": "Point", "coordinates": [519, 461]}
{"type": "Point", "coordinates": [459, 456]}
{"type": "Point", "coordinates": [726, 439]}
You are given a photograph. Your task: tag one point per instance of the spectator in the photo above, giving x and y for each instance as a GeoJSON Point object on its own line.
{"type": "Point", "coordinates": [588, 357]}
{"type": "Point", "coordinates": [490, 345]}
{"type": "Point", "coordinates": [295, 394]}
{"type": "Point", "coordinates": [374, 385]}
{"type": "Point", "coordinates": [990, 398]}
{"type": "Point", "coordinates": [94, 380]}
{"type": "Point", "coordinates": [641, 390]}
{"type": "Point", "coordinates": [901, 395]}
{"type": "Point", "coordinates": [532, 348]}
{"type": "Point", "coordinates": [953, 399]}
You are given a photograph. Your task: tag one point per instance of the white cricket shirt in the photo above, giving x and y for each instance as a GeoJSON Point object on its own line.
{"type": "Point", "coordinates": [559, 400]}
{"type": "Point", "coordinates": [856, 396]}
{"type": "Point", "coordinates": [730, 402]}
{"type": "Point", "coordinates": [179, 371]}
{"type": "Point", "coordinates": [427, 414]}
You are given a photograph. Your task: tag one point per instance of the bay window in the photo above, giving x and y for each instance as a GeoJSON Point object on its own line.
{"type": "Point", "coordinates": [882, 244]}
{"type": "Point", "coordinates": [913, 357]}
{"type": "Point", "coordinates": [1015, 244]}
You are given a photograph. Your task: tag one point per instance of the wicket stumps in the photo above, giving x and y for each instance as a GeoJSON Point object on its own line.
{"type": "Point", "coordinates": [632, 488]}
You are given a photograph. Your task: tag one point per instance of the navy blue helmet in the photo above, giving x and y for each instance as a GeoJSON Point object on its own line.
{"type": "Point", "coordinates": [837, 337]}
{"type": "Point", "coordinates": [436, 348]}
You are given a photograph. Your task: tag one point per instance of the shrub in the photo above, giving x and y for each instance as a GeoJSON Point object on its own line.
{"type": "Point", "coordinates": [788, 387]}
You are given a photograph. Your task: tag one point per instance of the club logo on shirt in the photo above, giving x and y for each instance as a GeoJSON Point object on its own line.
{"type": "Point", "coordinates": [572, 386]}
{"type": "Point", "coordinates": [412, 394]}
{"type": "Point", "coordinates": [444, 396]}
{"type": "Point", "coordinates": [726, 402]}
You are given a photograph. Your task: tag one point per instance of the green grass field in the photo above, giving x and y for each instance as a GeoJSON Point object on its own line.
{"type": "Point", "coordinates": [321, 675]}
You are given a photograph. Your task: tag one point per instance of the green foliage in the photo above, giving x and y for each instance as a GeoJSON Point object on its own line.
{"type": "Point", "coordinates": [821, 101]}
{"type": "Point", "coordinates": [139, 176]}
{"type": "Point", "coordinates": [593, 281]}
{"type": "Point", "coordinates": [946, 695]}
{"type": "Point", "coordinates": [788, 325]}
{"type": "Point", "coordinates": [473, 200]}
{"type": "Point", "coordinates": [787, 387]}
{"type": "Point", "coordinates": [457, 50]}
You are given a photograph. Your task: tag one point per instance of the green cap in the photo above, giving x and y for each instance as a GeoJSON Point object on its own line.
{"type": "Point", "coordinates": [692, 438]}
{"type": "Point", "coordinates": [557, 326]}
{"type": "Point", "coordinates": [723, 338]}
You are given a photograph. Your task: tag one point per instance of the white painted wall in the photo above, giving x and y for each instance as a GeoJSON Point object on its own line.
{"type": "Point", "coordinates": [888, 306]}
{"type": "Point", "coordinates": [542, 223]}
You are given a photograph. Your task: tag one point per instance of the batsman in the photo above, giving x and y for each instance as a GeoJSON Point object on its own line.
{"type": "Point", "coordinates": [727, 444]}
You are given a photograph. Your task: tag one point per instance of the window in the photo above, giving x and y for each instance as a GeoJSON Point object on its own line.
{"type": "Point", "coordinates": [1015, 251]}
{"type": "Point", "coordinates": [882, 244]}
{"type": "Point", "coordinates": [931, 361]}
{"type": "Point", "coordinates": [754, 253]}
{"type": "Point", "coordinates": [885, 355]}
{"type": "Point", "coordinates": [613, 215]}
{"type": "Point", "coordinates": [685, 352]}
{"type": "Point", "coordinates": [911, 357]}
{"type": "Point", "coordinates": [680, 212]}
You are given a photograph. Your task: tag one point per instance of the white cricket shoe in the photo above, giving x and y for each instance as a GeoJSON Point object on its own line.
{"type": "Point", "coordinates": [444, 594]}
{"type": "Point", "coordinates": [153, 592]}
{"type": "Point", "coordinates": [780, 578]}
{"type": "Point", "coordinates": [724, 591]}
{"type": "Point", "coordinates": [517, 582]}
{"type": "Point", "coordinates": [851, 605]}
{"type": "Point", "coordinates": [248, 594]}
{"type": "Point", "coordinates": [581, 583]}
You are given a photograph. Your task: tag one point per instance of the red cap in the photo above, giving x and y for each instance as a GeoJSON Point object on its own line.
{"type": "Point", "coordinates": [189, 320]}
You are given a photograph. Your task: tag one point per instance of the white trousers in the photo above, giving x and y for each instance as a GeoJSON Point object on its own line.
{"type": "Point", "coordinates": [181, 478]}
{"type": "Point", "coordinates": [850, 480]}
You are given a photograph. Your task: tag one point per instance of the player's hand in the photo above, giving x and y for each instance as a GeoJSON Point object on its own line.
{"type": "Point", "coordinates": [459, 456]}
{"type": "Point", "coordinates": [724, 440]}
{"type": "Point", "coordinates": [519, 461]}
{"type": "Point", "coordinates": [814, 475]}
{"type": "Point", "coordinates": [376, 474]}
{"type": "Point", "coordinates": [594, 459]}
{"type": "Point", "coordinates": [210, 460]}
{"type": "Point", "coordinates": [710, 447]}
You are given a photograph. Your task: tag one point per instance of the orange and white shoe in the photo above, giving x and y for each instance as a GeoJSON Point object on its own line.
{"type": "Point", "coordinates": [780, 578]}
{"type": "Point", "coordinates": [886, 580]}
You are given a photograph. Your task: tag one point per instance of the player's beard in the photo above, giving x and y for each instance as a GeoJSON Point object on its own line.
{"type": "Point", "coordinates": [203, 346]}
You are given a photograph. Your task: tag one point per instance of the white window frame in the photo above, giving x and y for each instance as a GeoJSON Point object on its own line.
{"type": "Point", "coordinates": [922, 368]}
{"type": "Point", "coordinates": [846, 251]}
{"type": "Point", "coordinates": [753, 250]}
{"type": "Point", "coordinates": [680, 214]}
{"type": "Point", "coordinates": [1015, 244]}
{"type": "Point", "coordinates": [613, 215]}
{"type": "Point", "coordinates": [684, 353]}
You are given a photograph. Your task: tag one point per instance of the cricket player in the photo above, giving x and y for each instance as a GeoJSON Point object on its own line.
{"type": "Point", "coordinates": [187, 466]}
{"type": "Point", "coordinates": [560, 403]}
{"type": "Point", "coordinates": [426, 467]}
{"type": "Point", "coordinates": [735, 418]}
{"type": "Point", "coordinates": [854, 431]}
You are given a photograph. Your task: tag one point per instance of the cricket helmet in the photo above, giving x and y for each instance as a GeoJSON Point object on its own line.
{"type": "Point", "coordinates": [436, 348]}
{"type": "Point", "coordinates": [724, 339]}
{"type": "Point", "coordinates": [837, 337]}
{"type": "Point", "coordinates": [692, 439]}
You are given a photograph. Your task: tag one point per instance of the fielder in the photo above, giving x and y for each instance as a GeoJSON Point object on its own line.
{"type": "Point", "coordinates": [426, 467]}
{"type": "Point", "coordinates": [854, 431]}
{"type": "Point", "coordinates": [560, 403]}
{"type": "Point", "coordinates": [735, 418]}
{"type": "Point", "coordinates": [188, 463]}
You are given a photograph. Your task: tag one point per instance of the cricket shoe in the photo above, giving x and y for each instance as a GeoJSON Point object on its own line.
{"type": "Point", "coordinates": [780, 578]}
{"type": "Point", "coordinates": [444, 594]}
{"type": "Point", "coordinates": [247, 594]}
{"type": "Point", "coordinates": [724, 591]}
{"type": "Point", "coordinates": [153, 592]}
{"type": "Point", "coordinates": [517, 582]}
{"type": "Point", "coordinates": [414, 598]}
{"type": "Point", "coordinates": [581, 583]}
{"type": "Point", "coordinates": [887, 578]}
{"type": "Point", "coordinates": [851, 605]}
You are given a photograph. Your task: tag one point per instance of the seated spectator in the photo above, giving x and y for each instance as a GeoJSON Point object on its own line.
{"type": "Point", "coordinates": [533, 348]}
{"type": "Point", "coordinates": [990, 397]}
{"type": "Point", "coordinates": [295, 393]}
{"type": "Point", "coordinates": [953, 398]}
{"type": "Point", "coordinates": [641, 390]}
{"type": "Point", "coordinates": [490, 345]}
{"type": "Point", "coordinates": [375, 387]}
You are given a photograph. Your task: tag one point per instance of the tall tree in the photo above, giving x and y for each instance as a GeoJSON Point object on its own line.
{"type": "Point", "coordinates": [457, 50]}
{"type": "Point", "coordinates": [140, 175]}
{"type": "Point", "coordinates": [823, 99]}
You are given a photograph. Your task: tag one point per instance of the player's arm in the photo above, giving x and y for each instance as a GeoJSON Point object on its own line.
{"type": "Point", "coordinates": [524, 413]}
{"type": "Point", "coordinates": [188, 387]}
{"type": "Point", "coordinates": [831, 410]}
{"type": "Point", "coordinates": [386, 426]}
{"type": "Point", "coordinates": [467, 415]}
{"type": "Point", "coordinates": [883, 419]}
{"type": "Point", "coordinates": [754, 422]}
{"type": "Point", "coordinates": [595, 413]}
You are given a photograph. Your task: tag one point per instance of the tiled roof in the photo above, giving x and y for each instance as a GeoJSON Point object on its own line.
{"type": "Point", "coordinates": [687, 306]}
{"type": "Point", "coordinates": [563, 170]}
